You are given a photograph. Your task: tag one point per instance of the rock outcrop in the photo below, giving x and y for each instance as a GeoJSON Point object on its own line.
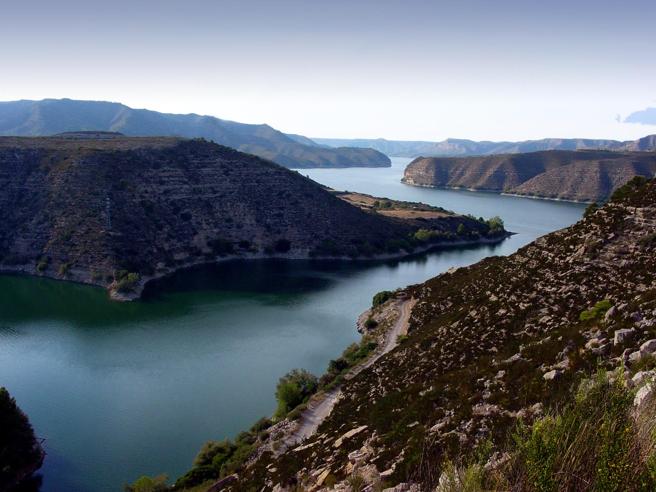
{"type": "Point", "coordinates": [586, 176]}
{"type": "Point", "coordinates": [117, 211]}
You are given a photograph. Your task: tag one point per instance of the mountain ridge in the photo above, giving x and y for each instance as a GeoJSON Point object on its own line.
{"type": "Point", "coordinates": [454, 147]}
{"type": "Point", "coordinates": [53, 116]}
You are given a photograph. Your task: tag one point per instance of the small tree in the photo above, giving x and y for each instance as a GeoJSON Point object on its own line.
{"type": "Point", "coordinates": [381, 297]}
{"type": "Point", "coordinates": [461, 230]}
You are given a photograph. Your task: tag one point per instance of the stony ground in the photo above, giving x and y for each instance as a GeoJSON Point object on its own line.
{"type": "Point", "coordinates": [488, 344]}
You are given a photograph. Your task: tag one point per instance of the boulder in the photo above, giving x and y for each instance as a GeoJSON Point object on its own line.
{"type": "Point", "coordinates": [551, 375]}
{"type": "Point", "coordinates": [623, 336]}
{"type": "Point", "coordinates": [649, 347]}
{"type": "Point", "coordinates": [644, 394]}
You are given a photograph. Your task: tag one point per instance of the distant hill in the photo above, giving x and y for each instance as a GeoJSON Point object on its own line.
{"type": "Point", "coordinates": [118, 211]}
{"type": "Point", "coordinates": [457, 147]}
{"type": "Point", "coordinates": [52, 116]}
{"type": "Point", "coordinates": [584, 175]}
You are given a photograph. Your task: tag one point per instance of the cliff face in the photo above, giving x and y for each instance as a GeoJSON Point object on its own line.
{"type": "Point", "coordinates": [586, 176]}
{"type": "Point", "coordinates": [454, 147]}
{"type": "Point", "coordinates": [117, 211]}
{"type": "Point", "coordinates": [51, 116]}
{"type": "Point", "coordinates": [502, 340]}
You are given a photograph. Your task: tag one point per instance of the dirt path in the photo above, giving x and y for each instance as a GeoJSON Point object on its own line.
{"type": "Point", "coordinates": [323, 404]}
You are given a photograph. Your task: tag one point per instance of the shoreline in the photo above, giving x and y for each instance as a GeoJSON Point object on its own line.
{"type": "Point", "coordinates": [83, 277]}
{"type": "Point", "coordinates": [503, 193]}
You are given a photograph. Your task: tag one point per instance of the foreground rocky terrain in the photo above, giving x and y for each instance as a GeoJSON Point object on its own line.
{"type": "Point", "coordinates": [490, 346]}
{"type": "Point", "coordinates": [116, 211]}
{"type": "Point", "coordinates": [586, 176]}
{"type": "Point", "coordinates": [53, 116]}
{"type": "Point", "coordinates": [455, 147]}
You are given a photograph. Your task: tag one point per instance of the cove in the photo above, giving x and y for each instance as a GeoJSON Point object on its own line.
{"type": "Point", "coordinates": [119, 390]}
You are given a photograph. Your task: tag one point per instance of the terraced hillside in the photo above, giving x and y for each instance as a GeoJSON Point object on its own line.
{"type": "Point", "coordinates": [117, 211]}
{"type": "Point", "coordinates": [585, 176]}
{"type": "Point", "coordinates": [490, 345]}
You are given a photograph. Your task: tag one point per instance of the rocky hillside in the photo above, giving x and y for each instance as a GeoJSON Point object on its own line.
{"type": "Point", "coordinates": [20, 452]}
{"type": "Point", "coordinates": [453, 147]}
{"type": "Point", "coordinates": [586, 176]}
{"type": "Point", "coordinates": [52, 116]}
{"type": "Point", "coordinates": [117, 211]}
{"type": "Point", "coordinates": [490, 345]}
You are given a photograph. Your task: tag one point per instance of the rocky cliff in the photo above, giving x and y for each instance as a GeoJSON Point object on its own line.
{"type": "Point", "coordinates": [117, 211]}
{"type": "Point", "coordinates": [505, 341]}
{"type": "Point", "coordinates": [52, 116]}
{"type": "Point", "coordinates": [586, 176]}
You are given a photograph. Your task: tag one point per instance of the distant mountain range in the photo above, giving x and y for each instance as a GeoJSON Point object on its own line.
{"type": "Point", "coordinates": [53, 116]}
{"type": "Point", "coordinates": [459, 148]}
{"type": "Point", "coordinates": [583, 175]}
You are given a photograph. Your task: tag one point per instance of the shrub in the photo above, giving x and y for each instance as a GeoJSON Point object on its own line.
{"type": "Point", "coordinates": [597, 311]}
{"type": "Point", "coordinates": [148, 484]}
{"type": "Point", "coordinates": [461, 230]}
{"type": "Point", "coordinates": [626, 190]}
{"type": "Point", "coordinates": [42, 264]}
{"type": "Point", "coordinates": [424, 235]}
{"type": "Point", "coordinates": [370, 324]}
{"type": "Point", "coordinates": [495, 224]}
{"type": "Point", "coordinates": [127, 282]}
{"type": "Point", "coordinates": [592, 444]}
{"type": "Point", "coordinates": [64, 269]}
{"type": "Point", "coordinates": [381, 297]}
{"type": "Point", "coordinates": [294, 388]}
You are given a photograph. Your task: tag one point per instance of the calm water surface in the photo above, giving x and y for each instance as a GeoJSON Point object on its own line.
{"type": "Point", "coordinates": [120, 390]}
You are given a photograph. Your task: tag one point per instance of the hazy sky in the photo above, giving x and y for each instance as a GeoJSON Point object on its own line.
{"type": "Point", "coordinates": [406, 69]}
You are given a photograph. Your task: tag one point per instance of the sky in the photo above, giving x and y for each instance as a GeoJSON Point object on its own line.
{"type": "Point", "coordinates": [396, 69]}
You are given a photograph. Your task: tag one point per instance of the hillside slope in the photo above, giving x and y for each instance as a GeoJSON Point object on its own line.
{"type": "Point", "coordinates": [117, 211]}
{"type": "Point", "coordinates": [506, 339]}
{"type": "Point", "coordinates": [454, 147]}
{"type": "Point", "coordinates": [586, 176]}
{"type": "Point", "coordinates": [53, 116]}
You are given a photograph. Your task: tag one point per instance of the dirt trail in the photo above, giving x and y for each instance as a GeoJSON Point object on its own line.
{"type": "Point", "coordinates": [319, 408]}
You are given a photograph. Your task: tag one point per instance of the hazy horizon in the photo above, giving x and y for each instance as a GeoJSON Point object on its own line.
{"type": "Point", "coordinates": [415, 70]}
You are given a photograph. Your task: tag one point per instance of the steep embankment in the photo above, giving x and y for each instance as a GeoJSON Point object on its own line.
{"type": "Point", "coordinates": [585, 176]}
{"type": "Point", "coordinates": [53, 116]}
{"type": "Point", "coordinates": [506, 339]}
{"type": "Point", "coordinates": [117, 211]}
{"type": "Point", "coordinates": [454, 147]}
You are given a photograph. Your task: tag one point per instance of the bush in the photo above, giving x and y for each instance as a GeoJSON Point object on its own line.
{"type": "Point", "coordinates": [381, 298]}
{"type": "Point", "coordinates": [294, 388]}
{"type": "Point", "coordinates": [42, 264]}
{"type": "Point", "coordinates": [591, 445]}
{"type": "Point", "coordinates": [495, 224]}
{"type": "Point", "coordinates": [370, 324]}
{"type": "Point", "coordinates": [461, 230]}
{"type": "Point", "coordinates": [597, 311]}
{"type": "Point", "coordinates": [590, 209]}
{"type": "Point", "coordinates": [424, 235]}
{"type": "Point", "coordinates": [64, 268]}
{"type": "Point", "coordinates": [127, 282]}
{"type": "Point", "coordinates": [149, 484]}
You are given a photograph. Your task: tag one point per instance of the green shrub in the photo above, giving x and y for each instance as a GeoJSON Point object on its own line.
{"type": "Point", "coordinates": [294, 388]}
{"type": "Point", "coordinates": [64, 269]}
{"type": "Point", "coordinates": [597, 311]}
{"type": "Point", "coordinates": [42, 264]}
{"type": "Point", "coordinates": [461, 230]}
{"type": "Point", "coordinates": [381, 297]}
{"type": "Point", "coordinates": [148, 484]}
{"type": "Point", "coordinates": [424, 235]}
{"type": "Point", "coordinates": [127, 282]}
{"type": "Point", "coordinates": [626, 190]}
{"type": "Point", "coordinates": [370, 324]}
{"type": "Point", "coordinates": [590, 445]}
{"type": "Point", "coordinates": [495, 224]}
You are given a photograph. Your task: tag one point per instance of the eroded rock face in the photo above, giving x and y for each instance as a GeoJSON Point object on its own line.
{"type": "Point", "coordinates": [481, 341]}
{"type": "Point", "coordinates": [581, 176]}
{"type": "Point", "coordinates": [84, 209]}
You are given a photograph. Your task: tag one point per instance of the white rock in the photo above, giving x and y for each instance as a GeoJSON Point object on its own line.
{"type": "Point", "coordinates": [649, 347]}
{"type": "Point", "coordinates": [643, 395]}
{"type": "Point", "coordinates": [642, 376]}
{"type": "Point", "coordinates": [551, 375]}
